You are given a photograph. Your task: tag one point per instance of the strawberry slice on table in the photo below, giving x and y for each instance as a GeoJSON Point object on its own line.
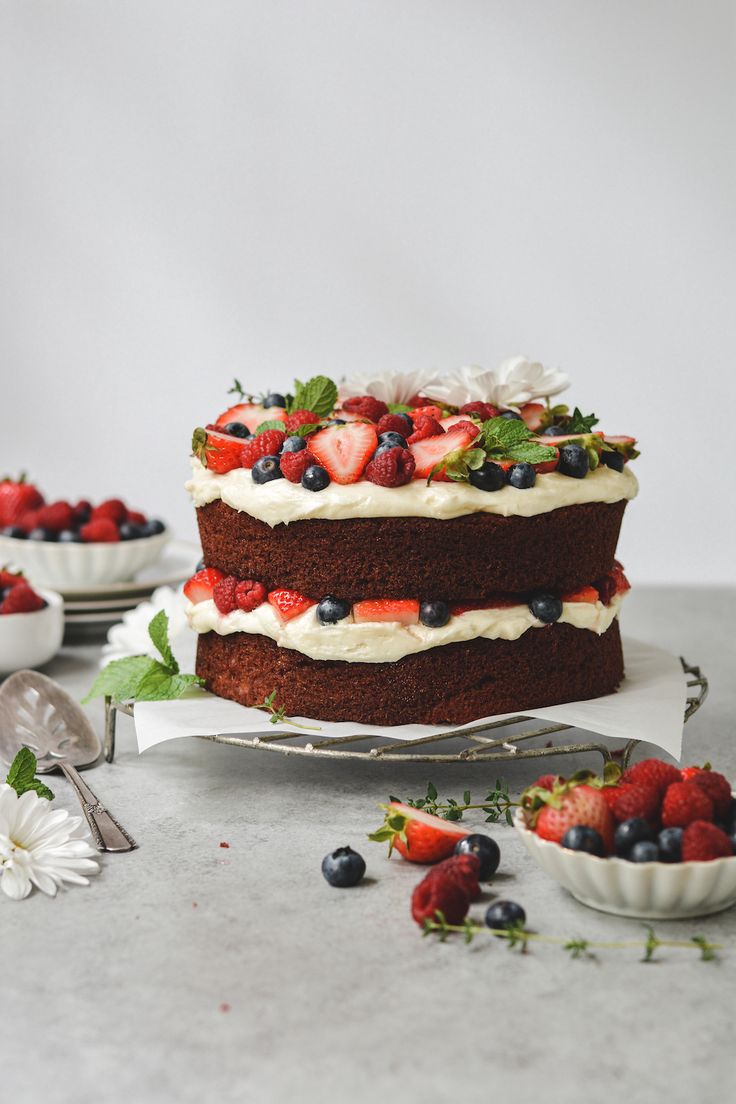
{"type": "Point", "coordinates": [584, 594]}
{"type": "Point", "coordinates": [17, 498]}
{"type": "Point", "coordinates": [418, 836]}
{"type": "Point", "coordinates": [251, 415]}
{"type": "Point", "coordinates": [217, 451]}
{"type": "Point", "coordinates": [403, 610]}
{"type": "Point", "coordinates": [532, 414]}
{"type": "Point", "coordinates": [201, 585]}
{"type": "Point", "coordinates": [344, 451]}
{"type": "Point", "coordinates": [429, 452]}
{"type": "Point", "coordinates": [289, 603]}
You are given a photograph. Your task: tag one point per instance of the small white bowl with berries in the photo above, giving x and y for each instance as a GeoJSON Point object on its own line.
{"type": "Point", "coordinates": [31, 623]}
{"type": "Point", "coordinates": [655, 842]}
{"type": "Point", "coordinates": [64, 545]}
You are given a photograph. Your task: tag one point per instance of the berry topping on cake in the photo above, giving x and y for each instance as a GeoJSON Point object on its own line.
{"type": "Point", "coordinates": [365, 406]}
{"type": "Point", "coordinates": [615, 582]}
{"type": "Point", "coordinates": [21, 598]}
{"type": "Point", "coordinates": [273, 399]}
{"type": "Point", "coordinates": [100, 531]}
{"type": "Point", "coordinates": [267, 468]}
{"type": "Point", "coordinates": [612, 459]}
{"type": "Point", "coordinates": [547, 608]}
{"type": "Point", "coordinates": [430, 452]}
{"type": "Point", "coordinates": [330, 610]}
{"type": "Point", "coordinates": [223, 594]}
{"type": "Point", "coordinates": [395, 423]}
{"type": "Point", "coordinates": [574, 461]}
{"type": "Point", "coordinates": [390, 440]}
{"type": "Point", "coordinates": [428, 411]}
{"type": "Point", "coordinates": [344, 451]}
{"type": "Point", "coordinates": [220, 452]}
{"type": "Point", "coordinates": [289, 603]}
{"type": "Point", "coordinates": [201, 585]}
{"type": "Point", "coordinates": [434, 614]}
{"type": "Point", "coordinates": [403, 610]}
{"type": "Point", "coordinates": [583, 594]}
{"type": "Point", "coordinates": [249, 595]}
{"type": "Point", "coordinates": [420, 837]}
{"type": "Point", "coordinates": [294, 464]}
{"type": "Point", "coordinates": [391, 467]}
{"type": "Point", "coordinates": [522, 476]}
{"type": "Point", "coordinates": [533, 415]}
{"type": "Point", "coordinates": [252, 414]}
{"type": "Point", "coordinates": [481, 410]}
{"type": "Point", "coordinates": [267, 443]}
{"type": "Point", "coordinates": [315, 478]}
{"type": "Point", "coordinates": [425, 426]}
{"type": "Point", "coordinates": [295, 443]}
{"type": "Point", "coordinates": [300, 418]}
{"type": "Point", "coordinates": [488, 477]}
{"type": "Point", "coordinates": [236, 429]}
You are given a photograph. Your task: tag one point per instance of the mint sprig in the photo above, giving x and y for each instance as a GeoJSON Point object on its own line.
{"type": "Point", "coordinates": [22, 775]}
{"type": "Point", "coordinates": [142, 678]}
{"type": "Point", "coordinates": [318, 394]}
{"type": "Point", "coordinates": [581, 423]}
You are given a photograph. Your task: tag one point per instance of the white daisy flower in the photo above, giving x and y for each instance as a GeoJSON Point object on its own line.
{"type": "Point", "coordinates": [389, 387]}
{"type": "Point", "coordinates": [130, 637]}
{"type": "Point", "coordinates": [40, 845]}
{"type": "Point", "coordinates": [516, 381]}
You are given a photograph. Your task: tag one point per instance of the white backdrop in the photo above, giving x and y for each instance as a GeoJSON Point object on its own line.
{"type": "Point", "coordinates": [194, 190]}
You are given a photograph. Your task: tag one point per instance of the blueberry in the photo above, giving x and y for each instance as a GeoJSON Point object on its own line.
{"type": "Point", "coordinates": [236, 429]}
{"type": "Point", "coordinates": [670, 845]}
{"type": "Point", "coordinates": [294, 444]}
{"type": "Point", "coordinates": [266, 469]}
{"type": "Point", "coordinates": [553, 431]}
{"type": "Point", "coordinates": [546, 608]}
{"type": "Point", "coordinates": [315, 478]}
{"type": "Point", "coordinates": [434, 614]}
{"type": "Point", "coordinates": [486, 849]}
{"type": "Point", "coordinates": [382, 448]}
{"type": "Point", "coordinates": [490, 477]}
{"type": "Point", "coordinates": [583, 838]}
{"type": "Point", "coordinates": [152, 527]}
{"type": "Point", "coordinates": [392, 439]}
{"type": "Point", "coordinates": [128, 531]}
{"type": "Point", "coordinates": [274, 399]}
{"type": "Point", "coordinates": [613, 460]}
{"type": "Point", "coordinates": [70, 536]}
{"type": "Point", "coordinates": [512, 415]}
{"type": "Point", "coordinates": [39, 534]}
{"type": "Point", "coordinates": [505, 914]}
{"type": "Point", "coordinates": [631, 831]}
{"type": "Point", "coordinates": [574, 461]}
{"type": "Point", "coordinates": [343, 868]}
{"type": "Point", "coordinates": [644, 851]}
{"type": "Point", "coordinates": [522, 476]}
{"type": "Point", "coordinates": [14, 531]}
{"type": "Point", "coordinates": [332, 609]}
{"type": "Point", "coordinates": [336, 421]}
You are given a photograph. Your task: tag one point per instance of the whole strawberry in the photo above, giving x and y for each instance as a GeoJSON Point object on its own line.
{"type": "Point", "coordinates": [718, 789]}
{"type": "Point", "coordinates": [569, 804]}
{"type": "Point", "coordinates": [702, 842]}
{"type": "Point", "coordinates": [652, 772]}
{"type": "Point", "coordinates": [683, 803]}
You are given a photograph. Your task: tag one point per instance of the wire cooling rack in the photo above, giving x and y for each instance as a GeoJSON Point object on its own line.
{"type": "Point", "coordinates": [481, 743]}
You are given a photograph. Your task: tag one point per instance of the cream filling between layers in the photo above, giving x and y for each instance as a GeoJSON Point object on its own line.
{"type": "Point", "coordinates": [281, 501]}
{"type": "Point", "coordinates": [388, 641]}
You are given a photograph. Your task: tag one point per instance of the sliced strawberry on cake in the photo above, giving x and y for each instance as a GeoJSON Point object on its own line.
{"type": "Point", "coordinates": [220, 452]}
{"type": "Point", "coordinates": [289, 603]}
{"type": "Point", "coordinates": [251, 415]}
{"type": "Point", "coordinates": [583, 594]}
{"type": "Point", "coordinates": [532, 413]}
{"type": "Point", "coordinates": [432, 450]}
{"type": "Point", "coordinates": [403, 610]}
{"type": "Point", "coordinates": [344, 451]}
{"type": "Point", "coordinates": [202, 584]}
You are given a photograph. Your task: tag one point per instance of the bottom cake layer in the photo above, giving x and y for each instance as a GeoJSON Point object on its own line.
{"type": "Point", "coordinates": [453, 684]}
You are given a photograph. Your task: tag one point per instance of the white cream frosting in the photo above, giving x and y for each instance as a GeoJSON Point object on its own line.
{"type": "Point", "coordinates": [282, 501]}
{"type": "Point", "coordinates": [388, 641]}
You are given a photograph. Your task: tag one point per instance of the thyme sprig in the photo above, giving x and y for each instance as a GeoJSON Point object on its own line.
{"type": "Point", "coordinates": [278, 714]}
{"type": "Point", "coordinates": [497, 803]}
{"type": "Point", "coordinates": [517, 936]}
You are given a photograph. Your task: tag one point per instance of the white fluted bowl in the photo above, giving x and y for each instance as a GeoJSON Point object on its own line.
{"type": "Point", "coordinates": [647, 891]}
{"type": "Point", "coordinates": [77, 565]}
{"type": "Point", "coordinates": [31, 639]}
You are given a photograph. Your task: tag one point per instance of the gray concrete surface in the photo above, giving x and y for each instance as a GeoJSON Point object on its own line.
{"type": "Point", "coordinates": [116, 992]}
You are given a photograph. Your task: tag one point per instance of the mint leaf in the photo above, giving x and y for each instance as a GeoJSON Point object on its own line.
{"type": "Point", "coordinates": [531, 453]}
{"type": "Point", "coordinates": [272, 423]}
{"type": "Point", "coordinates": [121, 678]}
{"type": "Point", "coordinates": [457, 465]}
{"type": "Point", "coordinates": [581, 423]}
{"type": "Point", "coordinates": [158, 630]}
{"type": "Point", "coordinates": [160, 685]}
{"type": "Point", "coordinates": [21, 775]}
{"type": "Point", "coordinates": [40, 788]}
{"type": "Point", "coordinates": [500, 433]}
{"type": "Point", "coordinates": [318, 394]}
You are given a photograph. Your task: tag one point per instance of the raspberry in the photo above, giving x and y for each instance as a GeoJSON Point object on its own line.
{"type": "Point", "coordinates": [365, 406]}
{"type": "Point", "coordinates": [718, 789]}
{"type": "Point", "coordinates": [702, 842]}
{"type": "Point", "coordinates": [300, 418]}
{"type": "Point", "coordinates": [683, 803]}
{"type": "Point", "coordinates": [21, 599]}
{"type": "Point", "coordinates": [395, 423]}
{"type": "Point", "coordinates": [100, 531]}
{"type": "Point", "coordinates": [392, 468]}
{"type": "Point", "coordinates": [462, 871]}
{"type": "Point", "coordinates": [249, 595]}
{"type": "Point", "coordinates": [652, 772]}
{"type": "Point", "coordinates": [223, 594]}
{"type": "Point", "coordinates": [425, 426]}
{"type": "Point", "coordinates": [267, 443]}
{"type": "Point", "coordinates": [294, 464]}
{"type": "Point", "coordinates": [57, 516]}
{"type": "Point", "coordinates": [636, 800]}
{"type": "Point", "coordinates": [111, 508]}
{"type": "Point", "coordinates": [437, 894]}
{"type": "Point", "coordinates": [482, 410]}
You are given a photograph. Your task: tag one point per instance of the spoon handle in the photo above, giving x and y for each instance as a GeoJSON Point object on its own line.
{"type": "Point", "coordinates": [107, 833]}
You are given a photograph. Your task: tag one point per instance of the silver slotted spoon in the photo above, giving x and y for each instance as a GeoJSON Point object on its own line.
{"type": "Point", "coordinates": [36, 713]}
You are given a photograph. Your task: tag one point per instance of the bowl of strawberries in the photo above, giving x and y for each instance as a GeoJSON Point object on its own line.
{"type": "Point", "coordinates": [31, 623]}
{"type": "Point", "coordinates": [653, 842]}
{"type": "Point", "coordinates": [63, 544]}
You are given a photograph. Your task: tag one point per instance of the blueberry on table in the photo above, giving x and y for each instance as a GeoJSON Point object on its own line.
{"type": "Point", "coordinates": [315, 478]}
{"type": "Point", "coordinates": [14, 531]}
{"type": "Point", "coordinates": [266, 469]}
{"type": "Point", "coordinates": [489, 477]}
{"type": "Point", "coordinates": [71, 536]}
{"type": "Point", "coordinates": [274, 399]}
{"type": "Point", "coordinates": [574, 461]}
{"type": "Point", "coordinates": [504, 914]}
{"type": "Point", "coordinates": [343, 868]}
{"type": "Point", "coordinates": [583, 838]}
{"type": "Point", "coordinates": [670, 845]}
{"type": "Point", "coordinates": [39, 534]}
{"type": "Point", "coordinates": [331, 609]}
{"type": "Point", "coordinates": [546, 608]}
{"type": "Point", "coordinates": [294, 444]}
{"type": "Point", "coordinates": [236, 429]}
{"type": "Point", "coordinates": [434, 614]}
{"type": "Point", "coordinates": [393, 439]}
{"type": "Point", "coordinates": [644, 851]}
{"type": "Point", "coordinates": [486, 851]}
{"type": "Point", "coordinates": [522, 476]}
{"type": "Point", "coordinates": [613, 460]}
{"type": "Point", "coordinates": [511, 415]}
{"type": "Point", "coordinates": [631, 831]}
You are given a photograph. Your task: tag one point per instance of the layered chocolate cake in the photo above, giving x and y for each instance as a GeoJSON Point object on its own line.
{"type": "Point", "coordinates": [431, 554]}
